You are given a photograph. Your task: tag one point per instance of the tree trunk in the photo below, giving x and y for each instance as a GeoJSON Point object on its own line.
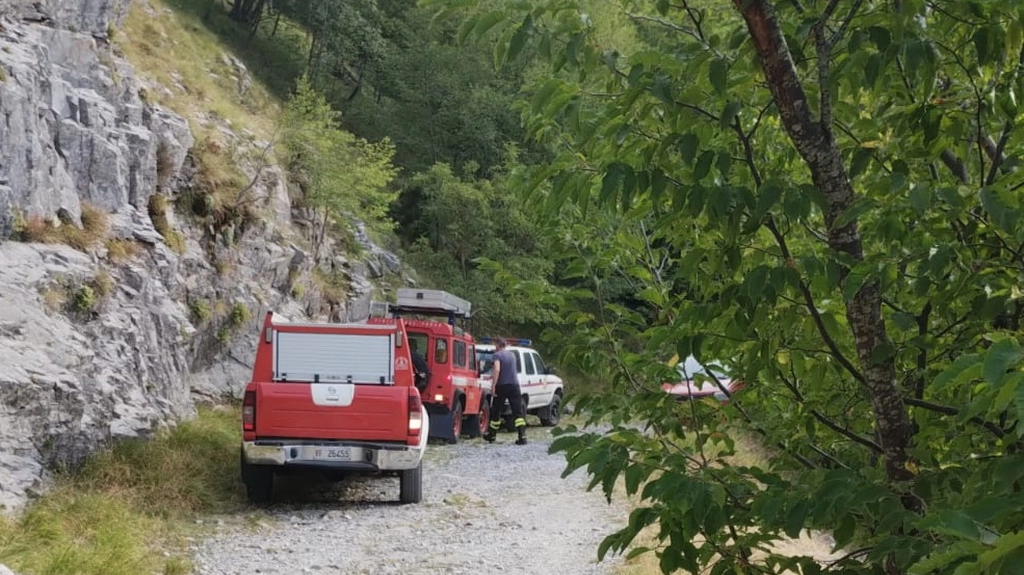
{"type": "Point", "coordinates": [241, 10]}
{"type": "Point", "coordinates": [817, 145]}
{"type": "Point", "coordinates": [277, 20]}
{"type": "Point", "coordinates": [256, 17]}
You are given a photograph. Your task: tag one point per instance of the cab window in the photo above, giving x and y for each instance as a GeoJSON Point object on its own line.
{"type": "Point", "coordinates": [541, 368]}
{"type": "Point", "coordinates": [519, 361]}
{"type": "Point", "coordinates": [471, 359]}
{"type": "Point", "coordinates": [440, 350]}
{"type": "Point", "coordinates": [418, 344]}
{"type": "Point", "coordinates": [529, 364]}
{"type": "Point", "coordinates": [459, 354]}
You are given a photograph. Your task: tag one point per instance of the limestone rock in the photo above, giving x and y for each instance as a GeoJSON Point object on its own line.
{"type": "Point", "coordinates": [75, 128]}
{"type": "Point", "coordinates": [93, 17]}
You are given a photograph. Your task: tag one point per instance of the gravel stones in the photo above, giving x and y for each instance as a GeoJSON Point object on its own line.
{"type": "Point", "coordinates": [486, 509]}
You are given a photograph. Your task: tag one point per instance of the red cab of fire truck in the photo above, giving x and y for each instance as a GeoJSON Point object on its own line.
{"type": "Point", "coordinates": [456, 399]}
{"type": "Point", "coordinates": [336, 399]}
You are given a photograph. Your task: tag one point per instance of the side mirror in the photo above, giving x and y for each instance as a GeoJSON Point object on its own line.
{"type": "Point", "coordinates": [549, 371]}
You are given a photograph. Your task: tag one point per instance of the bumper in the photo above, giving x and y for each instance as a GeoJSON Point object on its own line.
{"type": "Point", "coordinates": [332, 455]}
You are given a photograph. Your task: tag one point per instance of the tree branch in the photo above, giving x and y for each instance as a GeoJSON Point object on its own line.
{"type": "Point", "coordinates": [811, 307]}
{"type": "Point", "coordinates": [997, 154]}
{"type": "Point", "coordinates": [947, 410]}
{"type": "Point", "coordinates": [828, 422]}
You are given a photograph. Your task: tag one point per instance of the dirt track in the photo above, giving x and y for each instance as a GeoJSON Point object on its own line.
{"type": "Point", "coordinates": [486, 508]}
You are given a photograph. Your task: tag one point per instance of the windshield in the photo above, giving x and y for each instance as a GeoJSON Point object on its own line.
{"type": "Point", "coordinates": [691, 368]}
{"type": "Point", "coordinates": [485, 359]}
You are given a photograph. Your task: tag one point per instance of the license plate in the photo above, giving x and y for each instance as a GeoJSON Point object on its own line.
{"type": "Point", "coordinates": [332, 454]}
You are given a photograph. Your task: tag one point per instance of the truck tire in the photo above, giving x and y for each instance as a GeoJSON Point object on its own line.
{"type": "Point", "coordinates": [551, 413]}
{"type": "Point", "coordinates": [476, 425]}
{"type": "Point", "coordinates": [456, 422]}
{"type": "Point", "coordinates": [411, 485]}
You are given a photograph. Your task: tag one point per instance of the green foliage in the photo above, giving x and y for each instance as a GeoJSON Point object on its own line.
{"type": "Point", "coordinates": [341, 175]}
{"type": "Point", "coordinates": [239, 314]}
{"type": "Point", "coordinates": [695, 221]}
{"type": "Point", "coordinates": [201, 311]}
{"type": "Point", "coordinates": [104, 518]}
{"type": "Point", "coordinates": [465, 223]}
{"type": "Point", "coordinates": [83, 300]}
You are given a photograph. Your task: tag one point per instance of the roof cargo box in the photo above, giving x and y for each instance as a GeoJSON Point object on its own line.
{"type": "Point", "coordinates": [436, 300]}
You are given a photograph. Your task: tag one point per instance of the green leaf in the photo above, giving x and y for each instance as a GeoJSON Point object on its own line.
{"type": "Point", "coordinates": [795, 519]}
{"type": "Point", "coordinates": [844, 533]}
{"type": "Point", "coordinates": [717, 72]}
{"type": "Point", "coordinates": [732, 109]}
{"type": "Point", "coordinates": [861, 159]}
{"type": "Point", "coordinates": [1018, 400]}
{"type": "Point", "coordinates": [518, 41]}
{"type": "Point", "coordinates": [860, 207]}
{"type": "Point", "coordinates": [703, 167]}
{"type": "Point", "coordinates": [613, 178]}
{"type": "Point", "coordinates": [1006, 545]}
{"type": "Point", "coordinates": [637, 551]}
{"type": "Point", "coordinates": [688, 144]}
{"type": "Point", "coordinates": [662, 89]}
{"type": "Point", "coordinates": [1003, 355]}
{"type": "Point", "coordinates": [485, 23]}
{"type": "Point", "coordinates": [659, 181]}
{"type": "Point", "coordinates": [988, 41]}
{"type": "Point", "coordinates": [920, 198]}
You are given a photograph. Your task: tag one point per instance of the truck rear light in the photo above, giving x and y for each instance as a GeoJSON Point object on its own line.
{"type": "Point", "coordinates": [438, 398]}
{"type": "Point", "coordinates": [415, 412]}
{"type": "Point", "coordinates": [249, 411]}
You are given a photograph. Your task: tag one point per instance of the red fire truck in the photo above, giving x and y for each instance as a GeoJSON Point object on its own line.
{"type": "Point", "coordinates": [455, 397]}
{"type": "Point", "coordinates": [336, 399]}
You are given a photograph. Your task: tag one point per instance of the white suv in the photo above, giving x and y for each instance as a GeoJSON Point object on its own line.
{"type": "Point", "coordinates": [541, 388]}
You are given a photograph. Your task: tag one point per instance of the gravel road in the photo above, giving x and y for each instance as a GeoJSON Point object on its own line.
{"type": "Point", "coordinates": [498, 508]}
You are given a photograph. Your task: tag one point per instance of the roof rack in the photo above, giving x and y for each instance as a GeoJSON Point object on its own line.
{"type": "Point", "coordinates": [508, 340]}
{"type": "Point", "coordinates": [426, 302]}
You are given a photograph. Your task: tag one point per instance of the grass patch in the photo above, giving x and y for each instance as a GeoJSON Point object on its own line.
{"type": "Point", "coordinates": [127, 511]}
{"type": "Point", "coordinates": [158, 207]}
{"type": "Point", "coordinates": [184, 46]}
{"type": "Point", "coordinates": [333, 287]}
{"type": "Point", "coordinates": [95, 229]}
{"type": "Point", "coordinates": [120, 250]}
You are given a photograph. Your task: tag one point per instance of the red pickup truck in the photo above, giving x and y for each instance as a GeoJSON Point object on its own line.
{"type": "Point", "coordinates": [333, 398]}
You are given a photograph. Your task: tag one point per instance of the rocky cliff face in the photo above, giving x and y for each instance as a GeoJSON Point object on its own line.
{"type": "Point", "coordinates": [123, 334]}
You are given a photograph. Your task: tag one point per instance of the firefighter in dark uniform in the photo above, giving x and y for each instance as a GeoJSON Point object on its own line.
{"type": "Point", "coordinates": [420, 368]}
{"type": "Point", "coordinates": [506, 387]}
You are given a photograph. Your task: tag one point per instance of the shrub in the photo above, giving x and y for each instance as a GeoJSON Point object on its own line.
{"type": "Point", "coordinates": [200, 311]}
{"type": "Point", "coordinates": [239, 314]}
{"type": "Point", "coordinates": [84, 299]}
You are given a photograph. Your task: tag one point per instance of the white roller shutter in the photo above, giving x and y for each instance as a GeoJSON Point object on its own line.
{"type": "Point", "coordinates": [310, 357]}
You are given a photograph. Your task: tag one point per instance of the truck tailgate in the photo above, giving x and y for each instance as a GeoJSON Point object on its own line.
{"type": "Point", "coordinates": [329, 411]}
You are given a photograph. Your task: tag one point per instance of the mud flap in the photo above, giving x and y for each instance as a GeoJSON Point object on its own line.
{"type": "Point", "coordinates": [442, 424]}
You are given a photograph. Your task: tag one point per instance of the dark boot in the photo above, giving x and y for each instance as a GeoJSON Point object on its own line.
{"type": "Point", "coordinates": [522, 435]}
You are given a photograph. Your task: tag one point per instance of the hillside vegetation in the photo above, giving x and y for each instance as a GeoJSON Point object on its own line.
{"type": "Point", "coordinates": [131, 510]}
{"type": "Point", "coordinates": [822, 197]}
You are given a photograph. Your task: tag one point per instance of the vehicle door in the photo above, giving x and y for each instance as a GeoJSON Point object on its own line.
{"type": "Point", "coordinates": [546, 385]}
{"type": "Point", "coordinates": [532, 386]}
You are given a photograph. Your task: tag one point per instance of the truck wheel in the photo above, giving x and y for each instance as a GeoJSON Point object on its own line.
{"type": "Point", "coordinates": [411, 485]}
{"type": "Point", "coordinates": [456, 422]}
{"type": "Point", "coordinates": [477, 424]}
{"type": "Point", "coordinates": [551, 413]}
{"type": "Point", "coordinates": [259, 483]}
